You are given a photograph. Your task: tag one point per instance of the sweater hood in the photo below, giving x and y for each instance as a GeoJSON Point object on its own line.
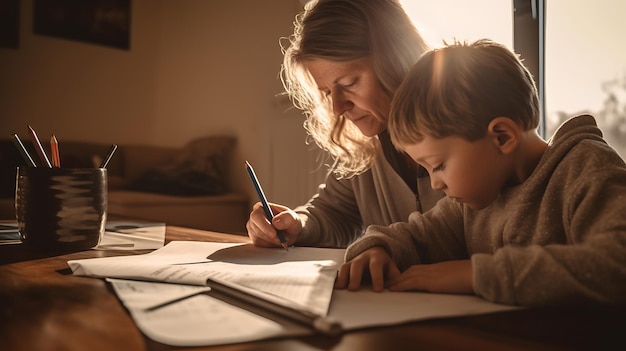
{"type": "Point", "coordinates": [571, 133]}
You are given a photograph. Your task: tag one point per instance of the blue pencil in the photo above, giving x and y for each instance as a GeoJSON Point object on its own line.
{"type": "Point", "coordinates": [266, 205]}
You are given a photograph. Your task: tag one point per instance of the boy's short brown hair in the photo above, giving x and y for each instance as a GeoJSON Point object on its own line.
{"type": "Point", "coordinates": [457, 90]}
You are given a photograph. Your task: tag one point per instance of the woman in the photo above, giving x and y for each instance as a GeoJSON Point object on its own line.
{"type": "Point", "coordinates": [341, 67]}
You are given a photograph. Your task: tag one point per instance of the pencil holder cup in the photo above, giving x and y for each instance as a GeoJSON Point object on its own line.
{"type": "Point", "coordinates": [61, 209]}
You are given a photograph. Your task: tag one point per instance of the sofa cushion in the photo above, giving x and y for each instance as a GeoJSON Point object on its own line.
{"type": "Point", "coordinates": [223, 213]}
{"type": "Point", "coordinates": [200, 168]}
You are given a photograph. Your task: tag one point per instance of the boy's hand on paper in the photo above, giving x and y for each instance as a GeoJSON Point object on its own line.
{"type": "Point", "coordinates": [263, 233]}
{"type": "Point", "coordinates": [374, 261]}
{"type": "Point", "coordinates": [454, 277]}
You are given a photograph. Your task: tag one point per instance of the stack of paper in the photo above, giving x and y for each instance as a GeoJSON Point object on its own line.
{"type": "Point", "coordinates": [165, 292]}
{"type": "Point", "coordinates": [9, 234]}
{"type": "Point", "coordinates": [132, 235]}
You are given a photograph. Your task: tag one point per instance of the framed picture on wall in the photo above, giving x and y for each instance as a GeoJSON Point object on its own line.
{"type": "Point", "coordinates": [9, 24]}
{"type": "Point", "coordinates": [103, 22]}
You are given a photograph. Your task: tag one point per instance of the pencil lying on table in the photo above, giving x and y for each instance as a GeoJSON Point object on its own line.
{"type": "Point", "coordinates": [322, 324]}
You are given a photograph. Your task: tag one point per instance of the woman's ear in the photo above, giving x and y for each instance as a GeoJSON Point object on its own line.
{"type": "Point", "coordinates": [505, 134]}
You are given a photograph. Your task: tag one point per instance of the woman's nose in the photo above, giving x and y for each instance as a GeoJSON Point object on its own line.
{"type": "Point", "coordinates": [340, 103]}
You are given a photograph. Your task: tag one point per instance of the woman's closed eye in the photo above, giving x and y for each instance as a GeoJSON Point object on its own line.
{"type": "Point", "coordinates": [349, 85]}
{"type": "Point", "coordinates": [327, 93]}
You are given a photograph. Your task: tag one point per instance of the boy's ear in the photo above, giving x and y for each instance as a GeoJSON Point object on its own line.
{"type": "Point", "coordinates": [505, 134]}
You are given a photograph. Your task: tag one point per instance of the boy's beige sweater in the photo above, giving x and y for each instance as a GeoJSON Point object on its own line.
{"type": "Point", "coordinates": [559, 237]}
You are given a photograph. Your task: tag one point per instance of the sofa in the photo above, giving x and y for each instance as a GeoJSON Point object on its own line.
{"type": "Point", "coordinates": [187, 186]}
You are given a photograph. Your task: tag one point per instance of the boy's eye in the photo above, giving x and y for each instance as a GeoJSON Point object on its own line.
{"type": "Point", "coordinates": [439, 168]}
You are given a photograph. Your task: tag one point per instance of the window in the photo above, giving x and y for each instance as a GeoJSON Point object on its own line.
{"type": "Point", "coordinates": [585, 65]}
{"type": "Point", "coordinates": [575, 50]}
{"type": "Point", "coordinates": [462, 19]}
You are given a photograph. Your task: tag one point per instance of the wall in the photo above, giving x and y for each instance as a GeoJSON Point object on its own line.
{"type": "Point", "coordinates": [195, 67]}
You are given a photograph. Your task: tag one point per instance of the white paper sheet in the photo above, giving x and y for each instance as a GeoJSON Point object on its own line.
{"type": "Point", "coordinates": [118, 235]}
{"type": "Point", "coordinates": [365, 308]}
{"type": "Point", "coordinates": [198, 320]}
{"type": "Point", "coordinates": [287, 278]}
{"type": "Point", "coordinates": [125, 235]}
{"type": "Point", "coordinates": [195, 319]}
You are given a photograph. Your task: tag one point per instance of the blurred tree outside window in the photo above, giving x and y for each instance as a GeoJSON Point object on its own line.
{"type": "Point", "coordinates": [585, 65]}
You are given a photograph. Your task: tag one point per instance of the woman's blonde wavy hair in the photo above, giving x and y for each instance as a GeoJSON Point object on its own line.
{"type": "Point", "coordinates": [343, 30]}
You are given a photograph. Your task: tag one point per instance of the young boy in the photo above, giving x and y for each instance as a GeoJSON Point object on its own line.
{"type": "Point", "coordinates": [525, 221]}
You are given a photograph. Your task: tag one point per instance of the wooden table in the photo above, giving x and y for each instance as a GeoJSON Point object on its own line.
{"type": "Point", "coordinates": [44, 307]}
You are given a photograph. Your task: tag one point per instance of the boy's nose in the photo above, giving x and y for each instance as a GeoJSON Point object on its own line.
{"type": "Point", "coordinates": [436, 183]}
